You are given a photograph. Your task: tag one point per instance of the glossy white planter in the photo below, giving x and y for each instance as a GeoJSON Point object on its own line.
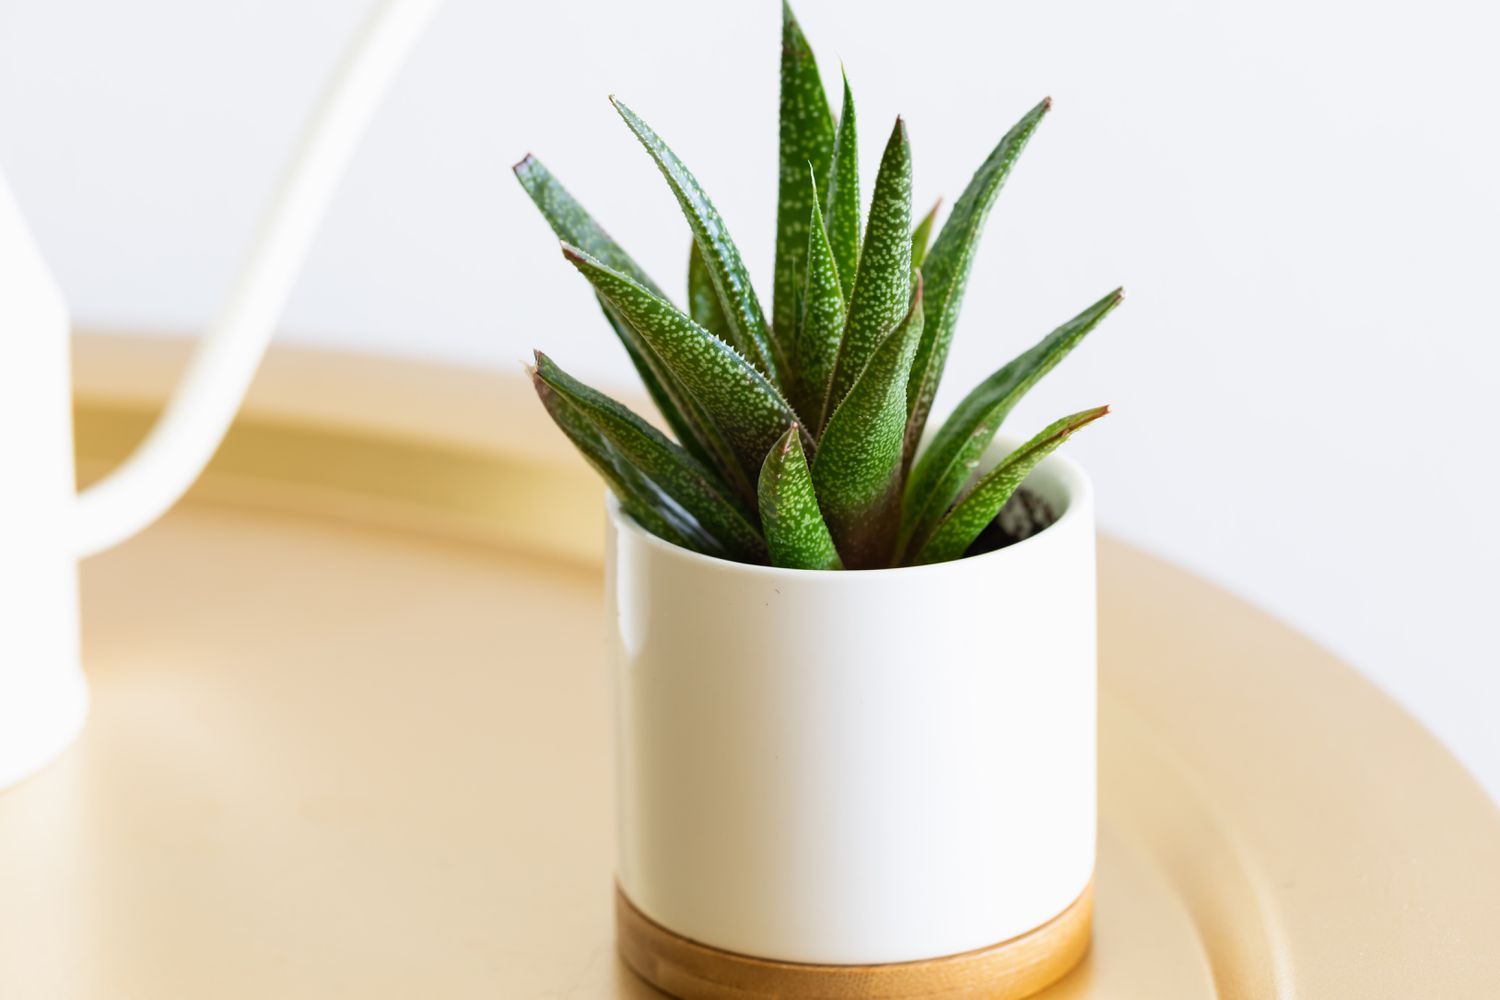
{"type": "Point", "coordinates": [858, 767]}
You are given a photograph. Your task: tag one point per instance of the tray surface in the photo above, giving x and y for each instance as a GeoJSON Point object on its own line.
{"type": "Point", "coordinates": [350, 734]}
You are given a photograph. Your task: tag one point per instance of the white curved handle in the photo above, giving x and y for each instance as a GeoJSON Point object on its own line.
{"type": "Point", "coordinates": [189, 430]}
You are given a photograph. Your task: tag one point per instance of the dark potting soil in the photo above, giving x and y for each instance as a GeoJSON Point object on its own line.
{"type": "Point", "coordinates": [1023, 515]}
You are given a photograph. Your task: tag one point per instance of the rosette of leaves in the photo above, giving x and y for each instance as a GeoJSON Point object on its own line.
{"type": "Point", "coordinates": [794, 436]}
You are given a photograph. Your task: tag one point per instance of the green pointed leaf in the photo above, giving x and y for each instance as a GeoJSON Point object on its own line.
{"type": "Point", "coordinates": [741, 402]}
{"type": "Point", "coordinates": [948, 263]}
{"type": "Point", "coordinates": [843, 196]}
{"type": "Point", "coordinates": [682, 414]}
{"type": "Point", "coordinates": [806, 138]}
{"type": "Point", "coordinates": [703, 300]}
{"type": "Point", "coordinates": [923, 234]}
{"type": "Point", "coordinates": [747, 324]}
{"type": "Point", "coordinates": [817, 341]}
{"type": "Point", "coordinates": [795, 532]}
{"type": "Point", "coordinates": [574, 225]}
{"type": "Point", "coordinates": [882, 286]}
{"type": "Point", "coordinates": [957, 531]}
{"type": "Point", "coordinates": [692, 485]}
{"type": "Point", "coordinates": [640, 499]}
{"type": "Point", "coordinates": [949, 459]}
{"type": "Point", "coordinates": [857, 469]}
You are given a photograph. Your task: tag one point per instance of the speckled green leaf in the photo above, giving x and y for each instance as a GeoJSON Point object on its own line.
{"type": "Point", "coordinates": [951, 456]}
{"type": "Point", "coordinates": [640, 499]}
{"type": "Point", "coordinates": [806, 138]}
{"type": "Point", "coordinates": [922, 235]}
{"type": "Point", "coordinates": [574, 225]}
{"type": "Point", "coordinates": [882, 285]}
{"type": "Point", "coordinates": [947, 267]}
{"type": "Point", "coordinates": [817, 341]}
{"type": "Point", "coordinates": [703, 300]}
{"type": "Point", "coordinates": [957, 531]}
{"type": "Point", "coordinates": [747, 324]}
{"type": "Point", "coordinates": [676, 405]}
{"type": "Point", "coordinates": [744, 406]}
{"type": "Point", "coordinates": [692, 485]}
{"type": "Point", "coordinates": [857, 469]}
{"type": "Point", "coordinates": [795, 531]}
{"type": "Point", "coordinates": [842, 213]}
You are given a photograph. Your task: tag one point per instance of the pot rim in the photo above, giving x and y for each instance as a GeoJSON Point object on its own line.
{"type": "Point", "coordinates": [1070, 475]}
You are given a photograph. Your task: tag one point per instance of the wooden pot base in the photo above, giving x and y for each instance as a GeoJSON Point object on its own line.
{"type": "Point", "coordinates": [1010, 970]}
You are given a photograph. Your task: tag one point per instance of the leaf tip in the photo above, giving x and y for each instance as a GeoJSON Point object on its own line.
{"type": "Point", "coordinates": [542, 371]}
{"type": "Point", "coordinates": [897, 144]}
{"type": "Point", "coordinates": [524, 164]}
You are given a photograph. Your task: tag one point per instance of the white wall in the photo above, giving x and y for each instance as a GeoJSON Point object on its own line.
{"type": "Point", "coordinates": [1300, 198]}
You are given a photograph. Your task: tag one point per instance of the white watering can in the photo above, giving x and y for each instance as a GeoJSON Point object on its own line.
{"type": "Point", "coordinates": [45, 527]}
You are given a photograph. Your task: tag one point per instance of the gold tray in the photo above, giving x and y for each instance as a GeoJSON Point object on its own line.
{"type": "Point", "coordinates": [349, 738]}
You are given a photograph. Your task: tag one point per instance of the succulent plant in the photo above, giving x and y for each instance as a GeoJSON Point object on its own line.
{"type": "Point", "coordinates": [799, 437]}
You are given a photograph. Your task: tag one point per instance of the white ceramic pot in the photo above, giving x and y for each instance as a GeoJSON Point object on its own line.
{"type": "Point", "coordinates": [846, 768]}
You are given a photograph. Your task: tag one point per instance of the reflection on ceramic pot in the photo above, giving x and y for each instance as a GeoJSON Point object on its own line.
{"type": "Point", "coordinates": [842, 768]}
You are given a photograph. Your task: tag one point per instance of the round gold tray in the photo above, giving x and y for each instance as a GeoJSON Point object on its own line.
{"type": "Point", "coordinates": [349, 738]}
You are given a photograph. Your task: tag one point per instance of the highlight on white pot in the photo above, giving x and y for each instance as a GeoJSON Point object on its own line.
{"type": "Point", "coordinates": [857, 767]}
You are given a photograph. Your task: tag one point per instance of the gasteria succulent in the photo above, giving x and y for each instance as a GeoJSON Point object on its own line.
{"type": "Point", "coordinates": [797, 440]}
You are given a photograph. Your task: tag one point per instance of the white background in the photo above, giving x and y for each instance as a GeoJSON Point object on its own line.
{"type": "Point", "coordinates": [1300, 198]}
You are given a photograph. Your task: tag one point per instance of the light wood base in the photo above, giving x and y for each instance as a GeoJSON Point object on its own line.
{"type": "Point", "coordinates": [1010, 970]}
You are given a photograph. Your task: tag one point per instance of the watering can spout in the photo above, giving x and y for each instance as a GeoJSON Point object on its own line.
{"type": "Point", "coordinates": [201, 409]}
